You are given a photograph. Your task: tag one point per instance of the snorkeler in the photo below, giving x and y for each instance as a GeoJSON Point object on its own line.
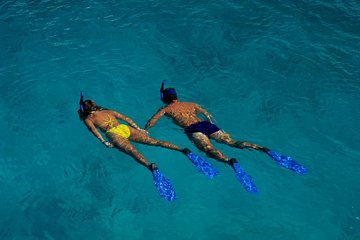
{"type": "Point", "coordinates": [120, 136]}
{"type": "Point", "coordinates": [185, 115]}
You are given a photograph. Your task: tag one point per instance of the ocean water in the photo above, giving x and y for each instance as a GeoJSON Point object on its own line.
{"type": "Point", "coordinates": [284, 74]}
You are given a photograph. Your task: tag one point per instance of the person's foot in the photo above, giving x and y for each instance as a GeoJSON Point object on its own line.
{"type": "Point", "coordinates": [239, 144]}
{"type": "Point", "coordinates": [186, 151]}
{"type": "Point", "coordinates": [249, 146]}
{"type": "Point", "coordinates": [264, 149]}
{"type": "Point", "coordinates": [152, 167]}
{"type": "Point", "coordinates": [232, 161]}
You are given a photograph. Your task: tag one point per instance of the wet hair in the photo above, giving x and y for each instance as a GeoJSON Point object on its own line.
{"type": "Point", "coordinates": [87, 108]}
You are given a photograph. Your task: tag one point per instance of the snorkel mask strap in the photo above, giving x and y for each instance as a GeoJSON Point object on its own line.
{"type": "Point", "coordinates": [81, 108]}
{"type": "Point", "coordinates": [162, 89]}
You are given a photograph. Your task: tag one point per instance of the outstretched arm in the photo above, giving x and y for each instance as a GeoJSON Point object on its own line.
{"type": "Point", "coordinates": [154, 118]}
{"type": "Point", "coordinates": [90, 125]}
{"type": "Point", "coordinates": [204, 112]}
{"type": "Point", "coordinates": [127, 120]}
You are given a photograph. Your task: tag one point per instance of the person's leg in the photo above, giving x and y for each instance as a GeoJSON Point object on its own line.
{"type": "Point", "coordinates": [141, 137]}
{"type": "Point", "coordinates": [202, 142]}
{"type": "Point", "coordinates": [223, 137]}
{"type": "Point", "coordinates": [125, 146]}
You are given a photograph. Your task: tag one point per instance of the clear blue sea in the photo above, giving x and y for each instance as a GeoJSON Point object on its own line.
{"type": "Point", "coordinates": [284, 74]}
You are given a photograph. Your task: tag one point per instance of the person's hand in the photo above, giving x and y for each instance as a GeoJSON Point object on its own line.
{"type": "Point", "coordinates": [143, 130]}
{"type": "Point", "coordinates": [140, 129]}
{"type": "Point", "coordinates": [108, 144]}
{"type": "Point", "coordinates": [211, 119]}
{"type": "Point", "coordinates": [251, 146]}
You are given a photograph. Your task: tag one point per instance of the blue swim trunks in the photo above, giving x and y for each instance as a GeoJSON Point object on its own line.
{"type": "Point", "coordinates": [204, 127]}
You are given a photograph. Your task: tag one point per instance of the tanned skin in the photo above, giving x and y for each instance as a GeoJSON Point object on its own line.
{"type": "Point", "coordinates": [185, 114]}
{"type": "Point", "coordinates": [106, 119]}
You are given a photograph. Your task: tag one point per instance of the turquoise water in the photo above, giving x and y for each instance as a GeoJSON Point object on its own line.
{"type": "Point", "coordinates": [281, 74]}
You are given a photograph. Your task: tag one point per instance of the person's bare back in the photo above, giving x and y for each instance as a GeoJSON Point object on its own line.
{"type": "Point", "coordinates": [182, 113]}
{"type": "Point", "coordinates": [104, 119]}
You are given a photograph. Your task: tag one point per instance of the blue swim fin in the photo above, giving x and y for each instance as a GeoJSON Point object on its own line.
{"type": "Point", "coordinates": [245, 180]}
{"type": "Point", "coordinates": [202, 165]}
{"type": "Point", "coordinates": [286, 162]}
{"type": "Point", "coordinates": [162, 184]}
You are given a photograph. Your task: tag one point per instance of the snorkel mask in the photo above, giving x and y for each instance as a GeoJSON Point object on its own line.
{"type": "Point", "coordinates": [167, 95]}
{"type": "Point", "coordinates": [87, 105]}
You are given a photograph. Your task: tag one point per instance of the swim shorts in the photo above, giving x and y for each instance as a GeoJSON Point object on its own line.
{"type": "Point", "coordinates": [204, 127]}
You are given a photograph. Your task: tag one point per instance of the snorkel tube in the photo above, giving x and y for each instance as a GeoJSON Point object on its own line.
{"type": "Point", "coordinates": [162, 90]}
{"type": "Point", "coordinates": [81, 108]}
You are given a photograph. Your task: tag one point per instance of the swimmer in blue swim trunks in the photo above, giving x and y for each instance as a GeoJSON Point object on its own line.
{"type": "Point", "coordinates": [185, 115]}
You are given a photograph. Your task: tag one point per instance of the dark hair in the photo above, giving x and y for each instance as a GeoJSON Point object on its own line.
{"type": "Point", "coordinates": [88, 107]}
{"type": "Point", "coordinates": [168, 95]}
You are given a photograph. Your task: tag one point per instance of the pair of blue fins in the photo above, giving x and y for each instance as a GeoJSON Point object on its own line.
{"type": "Point", "coordinates": [167, 192]}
